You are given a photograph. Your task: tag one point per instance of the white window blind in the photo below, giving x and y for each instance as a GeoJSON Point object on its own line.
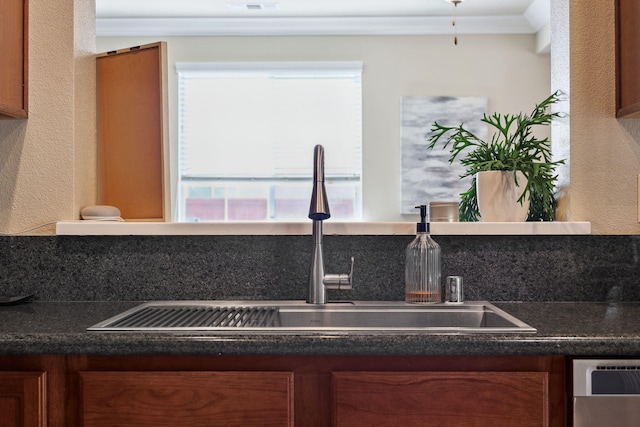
{"type": "Point", "coordinates": [259, 122]}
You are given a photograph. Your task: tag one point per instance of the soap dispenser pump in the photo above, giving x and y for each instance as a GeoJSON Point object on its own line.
{"type": "Point", "coordinates": [423, 265]}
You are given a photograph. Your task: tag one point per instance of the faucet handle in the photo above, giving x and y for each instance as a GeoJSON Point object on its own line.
{"type": "Point", "coordinates": [340, 281]}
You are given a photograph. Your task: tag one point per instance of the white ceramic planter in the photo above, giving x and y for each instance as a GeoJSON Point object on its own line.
{"type": "Point", "coordinates": [498, 196]}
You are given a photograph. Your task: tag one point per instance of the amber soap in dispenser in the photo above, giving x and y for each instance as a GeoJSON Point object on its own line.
{"type": "Point", "coordinates": [423, 264]}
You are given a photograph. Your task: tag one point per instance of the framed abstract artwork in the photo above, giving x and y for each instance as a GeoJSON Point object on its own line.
{"type": "Point", "coordinates": [426, 175]}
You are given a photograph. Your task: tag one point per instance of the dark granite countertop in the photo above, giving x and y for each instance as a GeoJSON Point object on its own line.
{"type": "Point", "coordinates": [564, 328]}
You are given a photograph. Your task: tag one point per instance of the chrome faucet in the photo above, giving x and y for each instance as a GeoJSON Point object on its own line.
{"type": "Point", "coordinates": [319, 282]}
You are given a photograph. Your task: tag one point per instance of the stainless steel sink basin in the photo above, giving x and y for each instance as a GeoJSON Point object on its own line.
{"type": "Point", "coordinates": [241, 317]}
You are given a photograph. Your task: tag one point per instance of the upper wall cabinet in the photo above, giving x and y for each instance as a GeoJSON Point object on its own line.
{"type": "Point", "coordinates": [627, 58]}
{"type": "Point", "coordinates": [14, 20]}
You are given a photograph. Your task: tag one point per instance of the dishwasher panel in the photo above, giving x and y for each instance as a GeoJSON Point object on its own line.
{"type": "Point", "coordinates": [606, 393]}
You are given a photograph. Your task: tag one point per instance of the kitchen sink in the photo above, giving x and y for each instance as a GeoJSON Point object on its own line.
{"type": "Point", "coordinates": [242, 317]}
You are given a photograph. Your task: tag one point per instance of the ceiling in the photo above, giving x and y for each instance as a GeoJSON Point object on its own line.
{"type": "Point", "coordinates": [275, 17]}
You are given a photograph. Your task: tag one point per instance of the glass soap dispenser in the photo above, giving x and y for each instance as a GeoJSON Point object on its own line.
{"type": "Point", "coordinates": [423, 264]}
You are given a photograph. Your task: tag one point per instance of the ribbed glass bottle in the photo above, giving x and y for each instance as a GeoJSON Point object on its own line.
{"type": "Point", "coordinates": [422, 270]}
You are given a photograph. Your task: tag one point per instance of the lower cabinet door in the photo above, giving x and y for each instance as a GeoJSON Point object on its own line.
{"type": "Point", "coordinates": [22, 399]}
{"type": "Point", "coordinates": [186, 398]}
{"type": "Point", "coordinates": [442, 399]}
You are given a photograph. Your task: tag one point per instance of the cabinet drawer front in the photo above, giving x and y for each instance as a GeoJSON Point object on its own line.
{"type": "Point", "coordinates": [187, 398]}
{"type": "Point", "coordinates": [440, 399]}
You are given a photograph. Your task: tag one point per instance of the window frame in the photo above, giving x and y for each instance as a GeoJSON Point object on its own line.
{"type": "Point", "coordinates": [304, 68]}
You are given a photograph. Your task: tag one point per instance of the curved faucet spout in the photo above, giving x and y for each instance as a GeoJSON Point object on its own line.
{"type": "Point", "coordinates": [319, 282]}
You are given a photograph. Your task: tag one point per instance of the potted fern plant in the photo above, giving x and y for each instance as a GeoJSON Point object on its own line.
{"type": "Point", "coordinates": [512, 149]}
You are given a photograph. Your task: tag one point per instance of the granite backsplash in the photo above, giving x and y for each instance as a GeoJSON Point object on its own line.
{"type": "Point", "coordinates": [135, 268]}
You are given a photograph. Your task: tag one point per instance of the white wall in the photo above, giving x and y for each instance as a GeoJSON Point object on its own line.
{"type": "Point", "coordinates": [506, 69]}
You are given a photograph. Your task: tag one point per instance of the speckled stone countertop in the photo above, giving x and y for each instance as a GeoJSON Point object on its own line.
{"type": "Point", "coordinates": [564, 328]}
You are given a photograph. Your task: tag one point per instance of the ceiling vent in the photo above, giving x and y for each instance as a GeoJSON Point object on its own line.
{"type": "Point", "coordinates": [253, 6]}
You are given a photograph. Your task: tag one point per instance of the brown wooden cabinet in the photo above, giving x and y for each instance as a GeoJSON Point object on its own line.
{"type": "Point", "coordinates": [14, 19]}
{"type": "Point", "coordinates": [491, 399]}
{"type": "Point", "coordinates": [305, 391]}
{"type": "Point", "coordinates": [627, 58]}
{"type": "Point", "coordinates": [315, 391]}
{"type": "Point", "coordinates": [186, 398]}
{"type": "Point", "coordinates": [22, 399]}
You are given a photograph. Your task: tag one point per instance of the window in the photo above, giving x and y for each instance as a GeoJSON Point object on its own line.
{"type": "Point", "coordinates": [246, 138]}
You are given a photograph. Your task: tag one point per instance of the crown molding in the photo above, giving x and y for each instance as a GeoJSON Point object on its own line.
{"type": "Point", "coordinates": [538, 14]}
{"type": "Point", "coordinates": [328, 26]}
